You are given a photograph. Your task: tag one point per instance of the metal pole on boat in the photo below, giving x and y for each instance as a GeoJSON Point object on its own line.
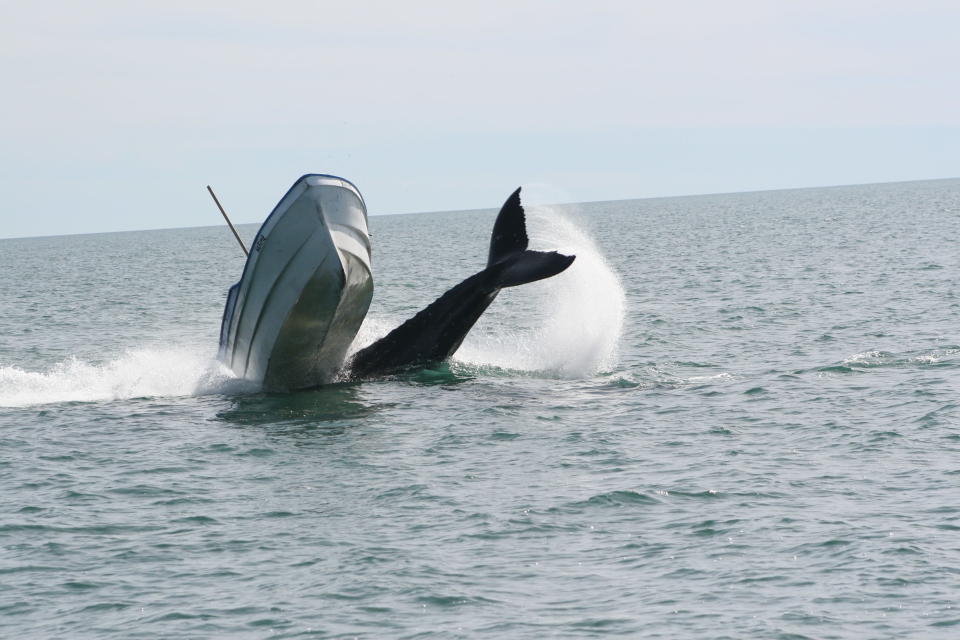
{"type": "Point", "coordinates": [235, 234]}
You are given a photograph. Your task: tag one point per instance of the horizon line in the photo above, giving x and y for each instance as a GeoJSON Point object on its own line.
{"type": "Point", "coordinates": [552, 204]}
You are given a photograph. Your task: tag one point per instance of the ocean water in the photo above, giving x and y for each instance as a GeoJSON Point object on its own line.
{"type": "Point", "coordinates": [734, 416]}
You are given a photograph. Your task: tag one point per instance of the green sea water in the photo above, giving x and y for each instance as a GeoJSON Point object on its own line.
{"type": "Point", "coordinates": [734, 416]}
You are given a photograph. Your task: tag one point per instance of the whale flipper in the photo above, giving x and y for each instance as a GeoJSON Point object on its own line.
{"type": "Point", "coordinates": [436, 332]}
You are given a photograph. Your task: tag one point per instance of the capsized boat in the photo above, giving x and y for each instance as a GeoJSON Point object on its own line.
{"type": "Point", "coordinates": [305, 289]}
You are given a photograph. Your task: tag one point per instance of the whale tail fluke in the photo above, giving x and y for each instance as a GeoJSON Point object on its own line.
{"type": "Point", "coordinates": [509, 231]}
{"type": "Point", "coordinates": [437, 331]}
{"type": "Point", "coordinates": [509, 258]}
{"type": "Point", "coordinates": [530, 266]}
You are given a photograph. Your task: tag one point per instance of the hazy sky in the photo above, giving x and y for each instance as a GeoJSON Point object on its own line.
{"type": "Point", "coordinates": [115, 115]}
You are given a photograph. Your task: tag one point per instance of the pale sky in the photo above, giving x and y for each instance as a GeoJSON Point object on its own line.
{"type": "Point", "coordinates": [115, 115]}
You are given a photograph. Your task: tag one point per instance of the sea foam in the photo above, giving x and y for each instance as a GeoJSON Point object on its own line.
{"type": "Point", "coordinates": [137, 373]}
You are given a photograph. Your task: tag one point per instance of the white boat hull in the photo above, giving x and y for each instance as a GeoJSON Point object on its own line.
{"type": "Point", "coordinates": [305, 290]}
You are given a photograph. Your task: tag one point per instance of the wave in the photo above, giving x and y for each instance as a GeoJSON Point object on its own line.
{"type": "Point", "coordinates": [138, 373]}
{"type": "Point", "coordinates": [940, 357]}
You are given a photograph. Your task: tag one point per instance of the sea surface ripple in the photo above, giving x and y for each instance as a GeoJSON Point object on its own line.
{"type": "Point", "coordinates": [735, 416]}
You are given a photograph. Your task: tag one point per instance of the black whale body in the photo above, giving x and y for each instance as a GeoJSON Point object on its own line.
{"type": "Point", "coordinates": [436, 332]}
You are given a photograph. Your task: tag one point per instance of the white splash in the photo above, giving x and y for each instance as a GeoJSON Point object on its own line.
{"type": "Point", "coordinates": [867, 358]}
{"type": "Point", "coordinates": [566, 326]}
{"type": "Point", "coordinates": [372, 329]}
{"type": "Point", "coordinates": [136, 374]}
{"type": "Point", "coordinates": [572, 322]}
{"type": "Point", "coordinates": [716, 378]}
